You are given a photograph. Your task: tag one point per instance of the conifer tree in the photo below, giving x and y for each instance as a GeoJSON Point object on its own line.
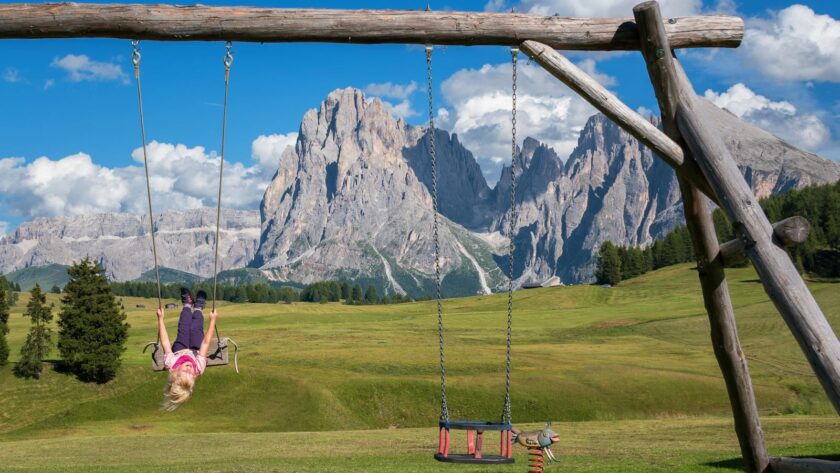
{"type": "Point", "coordinates": [608, 270]}
{"type": "Point", "coordinates": [91, 326]}
{"type": "Point", "coordinates": [371, 297]}
{"type": "Point", "coordinates": [4, 326]}
{"type": "Point", "coordinates": [357, 294]}
{"type": "Point", "coordinates": [37, 344]}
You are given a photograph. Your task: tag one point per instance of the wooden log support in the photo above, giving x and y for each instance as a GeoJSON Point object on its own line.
{"type": "Point", "coordinates": [781, 280]}
{"type": "Point", "coordinates": [204, 23]}
{"type": "Point", "coordinates": [610, 105]}
{"type": "Point", "coordinates": [788, 232]}
{"type": "Point", "coordinates": [803, 465]}
{"type": "Point", "coordinates": [724, 331]}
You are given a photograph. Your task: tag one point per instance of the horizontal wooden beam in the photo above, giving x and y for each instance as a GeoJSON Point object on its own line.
{"type": "Point", "coordinates": [788, 232]}
{"type": "Point", "coordinates": [203, 23]}
{"type": "Point", "coordinates": [803, 465]}
{"type": "Point", "coordinates": [607, 103]}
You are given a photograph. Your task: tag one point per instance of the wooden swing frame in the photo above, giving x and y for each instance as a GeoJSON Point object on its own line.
{"type": "Point", "coordinates": [705, 168]}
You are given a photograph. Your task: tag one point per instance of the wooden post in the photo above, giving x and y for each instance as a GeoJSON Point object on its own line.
{"type": "Point", "coordinates": [610, 105]}
{"type": "Point", "coordinates": [724, 332]}
{"type": "Point", "coordinates": [781, 280]}
{"type": "Point", "coordinates": [803, 465]}
{"type": "Point", "coordinates": [788, 232]}
{"type": "Point", "coordinates": [204, 23]}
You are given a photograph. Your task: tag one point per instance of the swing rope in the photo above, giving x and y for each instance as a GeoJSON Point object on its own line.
{"type": "Point", "coordinates": [228, 62]}
{"type": "Point", "coordinates": [444, 407]}
{"type": "Point", "coordinates": [135, 60]}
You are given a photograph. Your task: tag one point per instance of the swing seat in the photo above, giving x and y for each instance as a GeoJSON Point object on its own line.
{"type": "Point", "coordinates": [475, 439]}
{"type": "Point", "coordinates": [217, 355]}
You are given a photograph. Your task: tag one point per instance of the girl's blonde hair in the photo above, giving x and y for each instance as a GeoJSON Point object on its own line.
{"type": "Point", "coordinates": [178, 389]}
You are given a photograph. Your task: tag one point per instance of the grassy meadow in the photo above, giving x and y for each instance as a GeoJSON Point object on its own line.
{"type": "Point", "coordinates": [627, 374]}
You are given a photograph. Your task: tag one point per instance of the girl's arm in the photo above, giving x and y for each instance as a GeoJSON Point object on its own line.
{"type": "Point", "coordinates": [208, 335]}
{"type": "Point", "coordinates": [164, 336]}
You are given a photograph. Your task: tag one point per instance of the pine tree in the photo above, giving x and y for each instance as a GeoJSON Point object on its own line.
{"type": "Point", "coordinates": [357, 294]}
{"type": "Point", "coordinates": [4, 326]}
{"type": "Point", "coordinates": [37, 344]}
{"type": "Point", "coordinates": [370, 295]}
{"type": "Point", "coordinates": [608, 270]}
{"type": "Point", "coordinates": [91, 326]}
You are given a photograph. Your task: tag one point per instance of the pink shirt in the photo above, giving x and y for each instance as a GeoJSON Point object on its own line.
{"type": "Point", "coordinates": [173, 360]}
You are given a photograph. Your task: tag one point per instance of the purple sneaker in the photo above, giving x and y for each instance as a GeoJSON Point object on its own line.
{"type": "Point", "coordinates": [200, 300]}
{"type": "Point", "coordinates": [186, 296]}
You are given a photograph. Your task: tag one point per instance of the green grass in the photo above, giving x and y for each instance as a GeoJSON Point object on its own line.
{"type": "Point", "coordinates": [628, 373]}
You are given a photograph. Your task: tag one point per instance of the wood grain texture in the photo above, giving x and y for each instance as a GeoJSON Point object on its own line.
{"type": "Point", "coordinates": [781, 280]}
{"type": "Point", "coordinates": [662, 69]}
{"type": "Point", "coordinates": [611, 106]}
{"type": "Point", "coordinates": [803, 465]}
{"type": "Point", "coordinates": [204, 23]}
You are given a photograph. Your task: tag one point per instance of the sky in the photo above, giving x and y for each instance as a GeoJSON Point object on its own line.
{"type": "Point", "coordinates": [70, 140]}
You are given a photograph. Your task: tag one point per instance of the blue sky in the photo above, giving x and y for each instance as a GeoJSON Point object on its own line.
{"type": "Point", "coordinates": [70, 136]}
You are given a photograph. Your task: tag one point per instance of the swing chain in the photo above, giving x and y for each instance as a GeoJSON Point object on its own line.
{"type": "Point", "coordinates": [506, 412]}
{"type": "Point", "coordinates": [444, 407]}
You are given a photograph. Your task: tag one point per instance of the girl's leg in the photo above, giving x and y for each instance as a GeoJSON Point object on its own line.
{"type": "Point", "coordinates": [196, 330]}
{"type": "Point", "coordinates": [184, 323]}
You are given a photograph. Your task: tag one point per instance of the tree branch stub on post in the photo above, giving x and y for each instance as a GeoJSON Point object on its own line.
{"type": "Point", "coordinates": [788, 232]}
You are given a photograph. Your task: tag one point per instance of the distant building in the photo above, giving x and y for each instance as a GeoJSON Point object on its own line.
{"type": "Point", "coordinates": [171, 306]}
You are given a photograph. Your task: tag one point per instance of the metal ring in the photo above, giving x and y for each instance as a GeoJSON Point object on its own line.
{"type": "Point", "coordinates": [136, 57]}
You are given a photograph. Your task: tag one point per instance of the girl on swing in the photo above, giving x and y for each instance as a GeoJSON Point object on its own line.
{"type": "Point", "coordinates": [186, 359]}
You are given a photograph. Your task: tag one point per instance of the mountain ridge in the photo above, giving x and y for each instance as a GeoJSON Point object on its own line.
{"type": "Point", "coordinates": [352, 200]}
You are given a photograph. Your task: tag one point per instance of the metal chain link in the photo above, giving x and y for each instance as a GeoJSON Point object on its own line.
{"type": "Point", "coordinates": [135, 60]}
{"type": "Point", "coordinates": [444, 407]}
{"type": "Point", "coordinates": [506, 411]}
{"type": "Point", "coordinates": [228, 62]}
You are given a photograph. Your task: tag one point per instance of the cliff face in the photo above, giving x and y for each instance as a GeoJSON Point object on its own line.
{"type": "Point", "coordinates": [121, 242]}
{"type": "Point", "coordinates": [352, 200]}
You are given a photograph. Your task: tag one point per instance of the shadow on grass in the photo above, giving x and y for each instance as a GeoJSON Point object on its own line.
{"type": "Point", "coordinates": [738, 463]}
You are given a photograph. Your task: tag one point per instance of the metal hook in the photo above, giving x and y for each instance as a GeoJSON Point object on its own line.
{"type": "Point", "coordinates": [228, 60]}
{"type": "Point", "coordinates": [135, 54]}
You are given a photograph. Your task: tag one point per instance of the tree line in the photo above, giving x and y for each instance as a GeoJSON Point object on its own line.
{"type": "Point", "coordinates": [257, 293]}
{"type": "Point", "coordinates": [317, 292]}
{"type": "Point", "coordinates": [818, 256]}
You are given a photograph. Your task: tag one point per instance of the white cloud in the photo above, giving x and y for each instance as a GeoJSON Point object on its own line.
{"type": "Point", "coordinates": [82, 68]}
{"type": "Point", "coordinates": [400, 92]}
{"type": "Point", "coordinates": [495, 5]}
{"type": "Point", "coordinates": [182, 177]}
{"type": "Point", "coordinates": [605, 8]}
{"type": "Point", "coordinates": [11, 75]}
{"type": "Point", "coordinates": [4, 228]}
{"type": "Point", "coordinates": [391, 90]}
{"type": "Point", "coordinates": [267, 150]}
{"type": "Point", "coordinates": [645, 112]}
{"type": "Point", "coordinates": [48, 84]}
{"type": "Point", "coordinates": [780, 118]}
{"type": "Point", "coordinates": [479, 111]}
{"type": "Point", "coordinates": [402, 109]}
{"type": "Point", "coordinates": [795, 44]}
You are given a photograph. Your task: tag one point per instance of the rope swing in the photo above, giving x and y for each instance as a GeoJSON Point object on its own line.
{"type": "Point", "coordinates": [475, 429]}
{"type": "Point", "coordinates": [218, 353]}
